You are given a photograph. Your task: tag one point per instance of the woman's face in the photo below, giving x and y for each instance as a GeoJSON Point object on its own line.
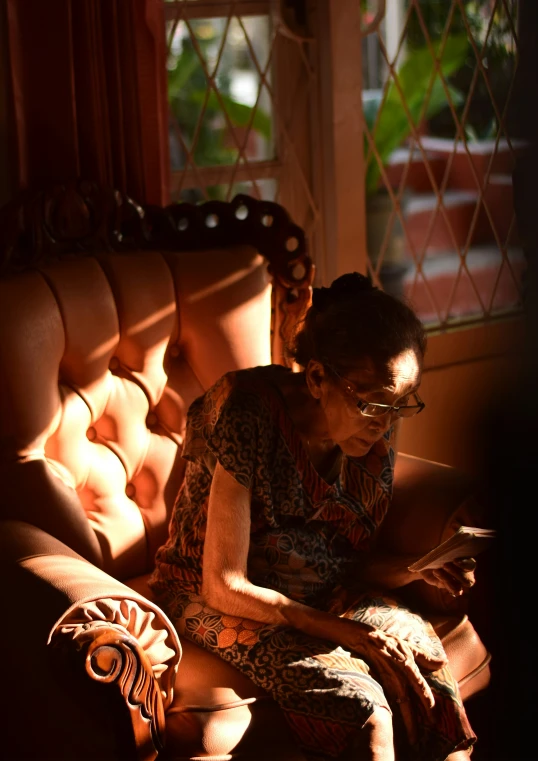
{"type": "Point", "coordinates": [342, 422]}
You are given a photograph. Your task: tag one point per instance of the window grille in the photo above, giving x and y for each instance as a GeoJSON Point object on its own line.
{"type": "Point", "coordinates": [441, 143]}
{"type": "Point", "coordinates": [240, 86]}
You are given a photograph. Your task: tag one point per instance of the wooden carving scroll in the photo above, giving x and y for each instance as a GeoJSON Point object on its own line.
{"type": "Point", "coordinates": [115, 658]}
{"type": "Point", "coordinates": [82, 217]}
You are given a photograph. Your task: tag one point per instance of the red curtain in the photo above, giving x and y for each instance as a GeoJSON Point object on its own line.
{"type": "Point", "coordinates": [89, 94]}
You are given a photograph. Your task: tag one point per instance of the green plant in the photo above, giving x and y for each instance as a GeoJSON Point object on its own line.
{"type": "Point", "coordinates": [208, 139]}
{"type": "Point", "coordinates": [491, 25]}
{"type": "Point", "coordinates": [389, 122]}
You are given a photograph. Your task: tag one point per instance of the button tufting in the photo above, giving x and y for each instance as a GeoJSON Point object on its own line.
{"type": "Point", "coordinates": [91, 434]}
{"type": "Point", "coordinates": [174, 351]}
{"type": "Point", "coordinates": [151, 420]}
{"type": "Point", "coordinates": [114, 363]}
{"type": "Point", "coordinates": [130, 491]}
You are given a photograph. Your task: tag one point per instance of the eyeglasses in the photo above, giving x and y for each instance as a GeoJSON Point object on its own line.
{"type": "Point", "coordinates": [369, 409]}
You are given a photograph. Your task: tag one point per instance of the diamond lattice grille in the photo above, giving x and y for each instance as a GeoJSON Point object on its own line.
{"type": "Point", "coordinates": [233, 127]}
{"type": "Point", "coordinates": [440, 147]}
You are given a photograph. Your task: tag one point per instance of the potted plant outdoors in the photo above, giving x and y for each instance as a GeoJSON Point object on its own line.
{"type": "Point", "coordinates": [484, 151]}
{"type": "Point", "coordinates": [388, 123]}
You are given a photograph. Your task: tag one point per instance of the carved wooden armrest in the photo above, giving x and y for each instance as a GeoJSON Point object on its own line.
{"type": "Point", "coordinates": [94, 624]}
{"type": "Point", "coordinates": [112, 656]}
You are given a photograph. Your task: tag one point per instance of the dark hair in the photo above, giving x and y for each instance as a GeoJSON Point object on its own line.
{"type": "Point", "coordinates": [353, 319]}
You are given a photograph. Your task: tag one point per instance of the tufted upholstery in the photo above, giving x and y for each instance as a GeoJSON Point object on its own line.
{"type": "Point", "coordinates": [102, 413]}
{"type": "Point", "coordinates": [109, 327]}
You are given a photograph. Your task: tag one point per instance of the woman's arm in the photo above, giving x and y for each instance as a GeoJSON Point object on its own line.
{"type": "Point", "coordinates": [390, 571]}
{"type": "Point", "coordinates": [226, 588]}
{"type": "Point", "coordinates": [387, 570]}
{"type": "Point", "coordinates": [225, 585]}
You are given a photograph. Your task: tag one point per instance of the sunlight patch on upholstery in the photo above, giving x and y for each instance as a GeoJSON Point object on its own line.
{"type": "Point", "coordinates": [153, 318]}
{"type": "Point", "coordinates": [220, 285]}
{"type": "Point", "coordinates": [105, 348]}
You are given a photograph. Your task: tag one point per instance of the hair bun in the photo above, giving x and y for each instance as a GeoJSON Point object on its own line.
{"type": "Point", "coordinates": [321, 298]}
{"type": "Point", "coordinates": [345, 286]}
{"type": "Point", "coordinates": [351, 284]}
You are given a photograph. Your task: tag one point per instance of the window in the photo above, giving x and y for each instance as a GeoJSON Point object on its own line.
{"type": "Point", "coordinates": [240, 105]}
{"type": "Point", "coordinates": [441, 142]}
{"type": "Point", "coordinates": [433, 123]}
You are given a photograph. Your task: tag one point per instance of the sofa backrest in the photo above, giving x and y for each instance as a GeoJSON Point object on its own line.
{"type": "Point", "coordinates": [108, 331]}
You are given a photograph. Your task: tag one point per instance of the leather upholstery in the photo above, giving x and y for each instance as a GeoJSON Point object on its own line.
{"type": "Point", "coordinates": [106, 367]}
{"type": "Point", "coordinates": [100, 356]}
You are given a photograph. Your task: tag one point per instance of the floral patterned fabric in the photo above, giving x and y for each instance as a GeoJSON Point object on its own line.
{"type": "Point", "coordinates": [307, 538]}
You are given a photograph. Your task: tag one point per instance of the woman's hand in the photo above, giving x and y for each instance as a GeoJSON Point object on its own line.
{"type": "Point", "coordinates": [456, 577]}
{"type": "Point", "coordinates": [387, 652]}
{"type": "Point", "coordinates": [386, 570]}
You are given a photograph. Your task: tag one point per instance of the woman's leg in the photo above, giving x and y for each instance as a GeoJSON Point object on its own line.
{"type": "Point", "coordinates": [375, 741]}
{"type": "Point", "coordinates": [325, 693]}
{"type": "Point", "coordinates": [431, 733]}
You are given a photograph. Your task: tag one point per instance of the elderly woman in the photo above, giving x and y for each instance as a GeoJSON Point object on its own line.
{"type": "Point", "coordinates": [271, 560]}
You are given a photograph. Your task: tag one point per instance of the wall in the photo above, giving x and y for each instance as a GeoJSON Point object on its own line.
{"type": "Point", "coordinates": [469, 375]}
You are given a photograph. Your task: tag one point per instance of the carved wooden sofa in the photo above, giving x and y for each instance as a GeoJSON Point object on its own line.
{"type": "Point", "coordinates": [113, 318]}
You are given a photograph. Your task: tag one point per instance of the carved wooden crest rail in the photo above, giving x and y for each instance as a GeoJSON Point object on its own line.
{"type": "Point", "coordinates": [82, 217]}
{"type": "Point", "coordinates": [86, 217]}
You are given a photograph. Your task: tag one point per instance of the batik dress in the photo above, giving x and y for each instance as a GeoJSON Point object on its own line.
{"type": "Point", "coordinates": [306, 539]}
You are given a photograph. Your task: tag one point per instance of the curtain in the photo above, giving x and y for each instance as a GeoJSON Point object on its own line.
{"type": "Point", "coordinates": [88, 94]}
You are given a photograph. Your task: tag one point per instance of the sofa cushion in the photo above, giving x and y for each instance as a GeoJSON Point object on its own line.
{"type": "Point", "coordinates": [216, 710]}
{"type": "Point", "coordinates": [468, 657]}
